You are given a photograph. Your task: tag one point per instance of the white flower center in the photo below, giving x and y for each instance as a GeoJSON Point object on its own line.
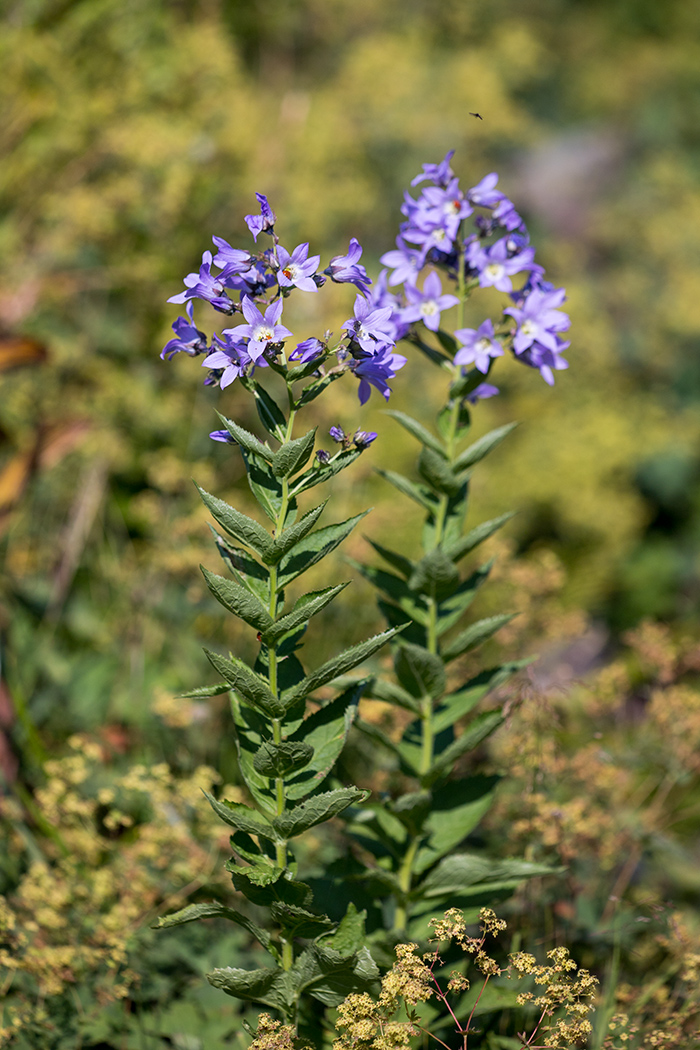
{"type": "Point", "coordinates": [429, 308]}
{"type": "Point", "coordinates": [495, 271]}
{"type": "Point", "coordinates": [528, 328]}
{"type": "Point", "coordinates": [263, 334]}
{"type": "Point", "coordinates": [482, 346]}
{"type": "Point", "coordinates": [291, 272]}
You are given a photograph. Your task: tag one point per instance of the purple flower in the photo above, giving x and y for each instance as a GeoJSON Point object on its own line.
{"type": "Point", "coordinates": [440, 173]}
{"type": "Point", "coordinates": [485, 192]}
{"type": "Point", "coordinates": [437, 208]}
{"type": "Point", "coordinates": [345, 269]}
{"type": "Point", "coordinates": [374, 370]}
{"type": "Point", "coordinates": [426, 306]}
{"type": "Point", "coordinates": [322, 456]}
{"type": "Point", "coordinates": [496, 266]}
{"type": "Point", "coordinates": [307, 351]}
{"type": "Point", "coordinates": [506, 215]}
{"type": "Point", "coordinates": [371, 327]}
{"type": "Point", "coordinates": [338, 435]}
{"type": "Point", "coordinates": [296, 270]}
{"type": "Point", "coordinates": [405, 261]}
{"type": "Point", "coordinates": [223, 435]}
{"type": "Point", "coordinates": [363, 438]}
{"type": "Point", "coordinates": [255, 281]}
{"type": "Point", "coordinates": [229, 362]}
{"type": "Point", "coordinates": [478, 346]}
{"type": "Point", "coordinates": [539, 319]}
{"type": "Point", "coordinates": [261, 331]}
{"type": "Point", "coordinates": [232, 260]}
{"type": "Point", "coordinates": [544, 359]}
{"type": "Point", "coordinates": [380, 297]}
{"type": "Point", "coordinates": [188, 339]}
{"type": "Point", "coordinates": [263, 223]}
{"type": "Point", "coordinates": [204, 285]}
{"type": "Point", "coordinates": [483, 390]}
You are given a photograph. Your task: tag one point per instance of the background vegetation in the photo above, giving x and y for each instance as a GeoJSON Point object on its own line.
{"type": "Point", "coordinates": [132, 132]}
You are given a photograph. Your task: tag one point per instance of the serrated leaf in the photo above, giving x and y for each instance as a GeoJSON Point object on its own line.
{"type": "Point", "coordinates": [422, 496]}
{"type": "Point", "coordinates": [435, 575]}
{"type": "Point", "coordinates": [247, 440]}
{"type": "Point", "coordinates": [482, 447]}
{"type": "Point", "coordinates": [246, 682]}
{"type": "Point", "coordinates": [244, 568]}
{"type": "Point", "coordinates": [474, 635]}
{"type": "Point", "coordinates": [238, 525]}
{"type": "Point", "coordinates": [265, 888]}
{"type": "Point", "coordinates": [306, 606]}
{"type": "Point", "coordinates": [243, 818]}
{"type": "Point", "coordinates": [265, 486]}
{"type": "Point", "coordinates": [312, 548]}
{"type": "Point", "coordinates": [204, 691]}
{"type": "Point", "coordinates": [325, 730]}
{"type": "Point", "coordinates": [330, 976]}
{"type": "Point", "coordinates": [325, 471]}
{"type": "Point", "coordinates": [289, 537]}
{"type": "Point", "coordinates": [350, 935]}
{"type": "Point", "coordinates": [238, 600]}
{"type": "Point", "coordinates": [276, 760]}
{"type": "Point", "coordinates": [292, 456]}
{"type": "Point", "coordinates": [418, 431]}
{"type": "Point", "coordinates": [265, 986]}
{"type": "Point", "coordinates": [252, 730]}
{"type": "Point", "coordinates": [420, 672]}
{"type": "Point", "coordinates": [438, 473]}
{"type": "Point", "coordinates": [271, 415]}
{"type": "Point", "coordinates": [456, 551]}
{"type": "Point", "coordinates": [312, 391]}
{"type": "Point", "coordinates": [213, 910]}
{"type": "Point", "coordinates": [456, 810]}
{"type": "Point", "coordinates": [459, 703]}
{"type": "Point", "coordinates": [393, 558]}
{"type": "Point", "coordinates": [474, 734]}
{"type": "Point", "coordinates": [299, 922]}
{"type": "Point", "coordinates": [467, 870]}
{"type": "Point", "coordinates": [345, 661]}
{"type": "Point", "coordinates": [316, 810]}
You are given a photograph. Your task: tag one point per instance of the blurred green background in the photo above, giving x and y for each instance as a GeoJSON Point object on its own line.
{"type": "Point", "coordinates": [133, 131]}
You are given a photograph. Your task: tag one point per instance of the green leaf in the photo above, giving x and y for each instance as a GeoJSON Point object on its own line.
{"type": "Point", "coordinates": [330, 976]}
{"type": "Point", "coordinates": [276, 760]}
{"type": "Point", "coordinates": [289, 537]}
{"type": "Point", "coordinates": [243, 818]}
{"type": "Point", "coordinates": [457, 550]}
{"type": "Point", "coordinates": [252, 730]}
{"type": "Point", "coordinates": [316, 810]}
{"type": "Point", "coordinates": [444, 420]}
{"type": "Point", "coordinates": [305, 607]}
{"type": "Point", "coordinates": [350, 935]}
{"type": "Point", "coordinates": [240, 526]}
{"type": "Point", "coordinates": [263, 883]}
{"type": "Point", "coordinates": [293, 455]}
{"type": "Point", "coordinates": [420, 672]}
{"type": "Point", "coordinates": [204, 691]}
{"type": "Point", "coordinates": [475, 733]}
{"type": "Point", "coordinates": [430, 352]}
{"type": "Point", "coordinates": [435, 575]}
{"type": "Point", "coordinates": [312, 391]}
{"type": "Point", "coordinates": [447, 342]}
{"type": "Point", "coordinates": [419, 493]}
{"type": "Point", "coordinates": [213, 910]}
{"type": "Point", "coordinates": [345, 661]}
{"type": "Point", "coordinates": [298, 922]}
{"type": "Point", "coordinates": [451, 609]}
{"type": "Point", "coordinates": [474, 635]}
{"type": "Point", "coordinates": [451, 531]}
{"type": "Point", "coordinates": [244, 568]}
{"type": "Point", "coordinates": [266, 488]}
{"type": "Point", "coordinates": [247, 440]}
{"type": "Point", "coordinates": [396, 589]}
{"type": "Point", "coordinates": [482, 447]}
{"type": "Point", "coordinates": [460, 871]}
{"type": "Point", "coordinates": [438, 473]}
{"type": "Point", "coordinates": [326, 731]}
{"type": "Point", "coordinates": [458, 704]}
{"type": "Point", "coordinates": [265, 986]}
{"type": "Point", "coordinates": [271, 415]}
{"type": "Point", "coordinates": [418, 431]}
{"type": "Point", "coordinates": [302, 371]}
{"type": "Point", "coordinates": [246, 682]}
{"type": "Point", "coordinates": [390, 693]}
{"type": "Point", "coordinates": [312, 548]}
{"type": "Point", "coordinates": [396, 560]}
{"type": "Point", "coordinates": [321, 472]}
{"type": "Point", "coordinates": [238, 600]}
{"type": "Point", "coordinates": [456, 810]}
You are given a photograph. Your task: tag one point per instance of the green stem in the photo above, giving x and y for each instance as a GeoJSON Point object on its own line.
{"type": "Point", "coordinates": [405, 874]}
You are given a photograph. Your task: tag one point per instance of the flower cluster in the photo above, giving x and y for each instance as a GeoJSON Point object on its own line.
{"type": "Point", "coordinates": [255, 284]}
{"type": "Point", "coordinates": [492, 255]}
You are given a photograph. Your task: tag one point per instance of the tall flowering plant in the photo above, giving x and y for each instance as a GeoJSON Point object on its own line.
{"type": "Point", "coordinates": [288, 740]}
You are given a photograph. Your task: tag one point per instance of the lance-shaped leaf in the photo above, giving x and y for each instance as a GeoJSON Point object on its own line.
{"type": "Point", "coordinates": [271, 415]}
{"type": "Point", "coordinates": [456, 551]}
{"type": "Point", "coordinates": [247, 440]}
{"type": "Point", "coordinates": [293, 455]}
{"type": "Point", "coordinates": [438, 473]}
{"type": "Point", "coordinates": [456, 810]}
{"type": "Point", "coordinates": [244, 568]}
{"type": "Point", "coordinates": [311, 549]}
{"type": "Point", "coordinates": [345, 661]}
{"type": "Point", "coordinates": [238, 600]}
{"type": "Point", "coordinates": [203, 691]}
{"type": "Point", "coordinates": [240, 526]}
{"type": "Point", "coordinates": [246, 682]}
{"type": "Point", "coordinates": [252, 730]}
{"type": "Point", "coordinates": [289, 537]}
{"type": "Point", "coordinates": [304, 608]}
{"type": "Point", "coordinates": [265, 486]}
{"type": "Point", "coordinates": [418, 431]}
{"type": "Point", "coordinates": [325, 731]}
{"type": "Point", "coordinates": [393, 558]}
{"type": "Point", "coordinates": [451, 609]}
{"type": "Point", "coordinates": [474, 635]}
{"type": "Point", "coordinates": [302, 371]}
{"type": "Point", "coordinates": [241, 817]}
{"type": "Point", "coordinates": [445, 421]}
{"type": "Point", "coordinates": [451, 530]}
{"type": "Point", "coordinates": [435, 575]}
{"type": "Point", "coordinates": [316, 810]}
{"type": "Point", "coordinates": [420, 672]}
{"type": "Point", "coordinates": [276, 760]}
{"type": "Point", "coordinates": [422, 496]}
{"type": "Point", "coordinates": [214, 910]}
{"type": "Point", "coordinates": [471, 870]}
{"type": "Point", "coordinates": [312, 391]}
{"type": "Point", "coordinates": [299, 922]}
{"type": "Point", "coordinates": [478, 729]}
{"type": "Point", "coordinates": [482, 447]}
{"type": "Point", "coordinates": [458, 704]}
{"type": "Point", "coordinates": [430, 352]}
{"type": "Point", "coordinates": [265, 986]}
{"type": "Point", "coordinates": [390, 693]}
{"type": "Point", "coordinates": [325, 471]}
{"type": "Point", "coordinates": [396, 589]}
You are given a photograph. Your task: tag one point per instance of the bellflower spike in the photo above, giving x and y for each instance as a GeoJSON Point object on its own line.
{"type": "Point", "coordinates": [374, 370]}
{"type": "Point", "coordinates": [539, 319]}
{"type": "Point", "coordinates": [371, 327]}
{"type": "Point", "coordinates": [406, 263]}
{"type": "Point", "coordinates": [426, 306]}
{"type": "Point", "coordinates": [496, 266]}
{"type": "Point", "coordinates": [265, 221]}
{"type": "Point", "coordinates": [204, 285]}
{"type": "Point", "coordinates": [296, 270]}
{"type": "Point", "coordinates": [485, 192]}
{"type": "Point", "coordinates": [346, 269]}
{"type": "Point", "coordinates": [439, 173]}
{"type": "Point", "coordinates": [478, 346]}
{"type": "Point", "coordinates": [483, 390]}
{"type": "Point", "coordinates": [307, 351]}
{"type": "Point", "coordinates": [261, 331]}
{"type": "Point", "coordinates": [188, 339]}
